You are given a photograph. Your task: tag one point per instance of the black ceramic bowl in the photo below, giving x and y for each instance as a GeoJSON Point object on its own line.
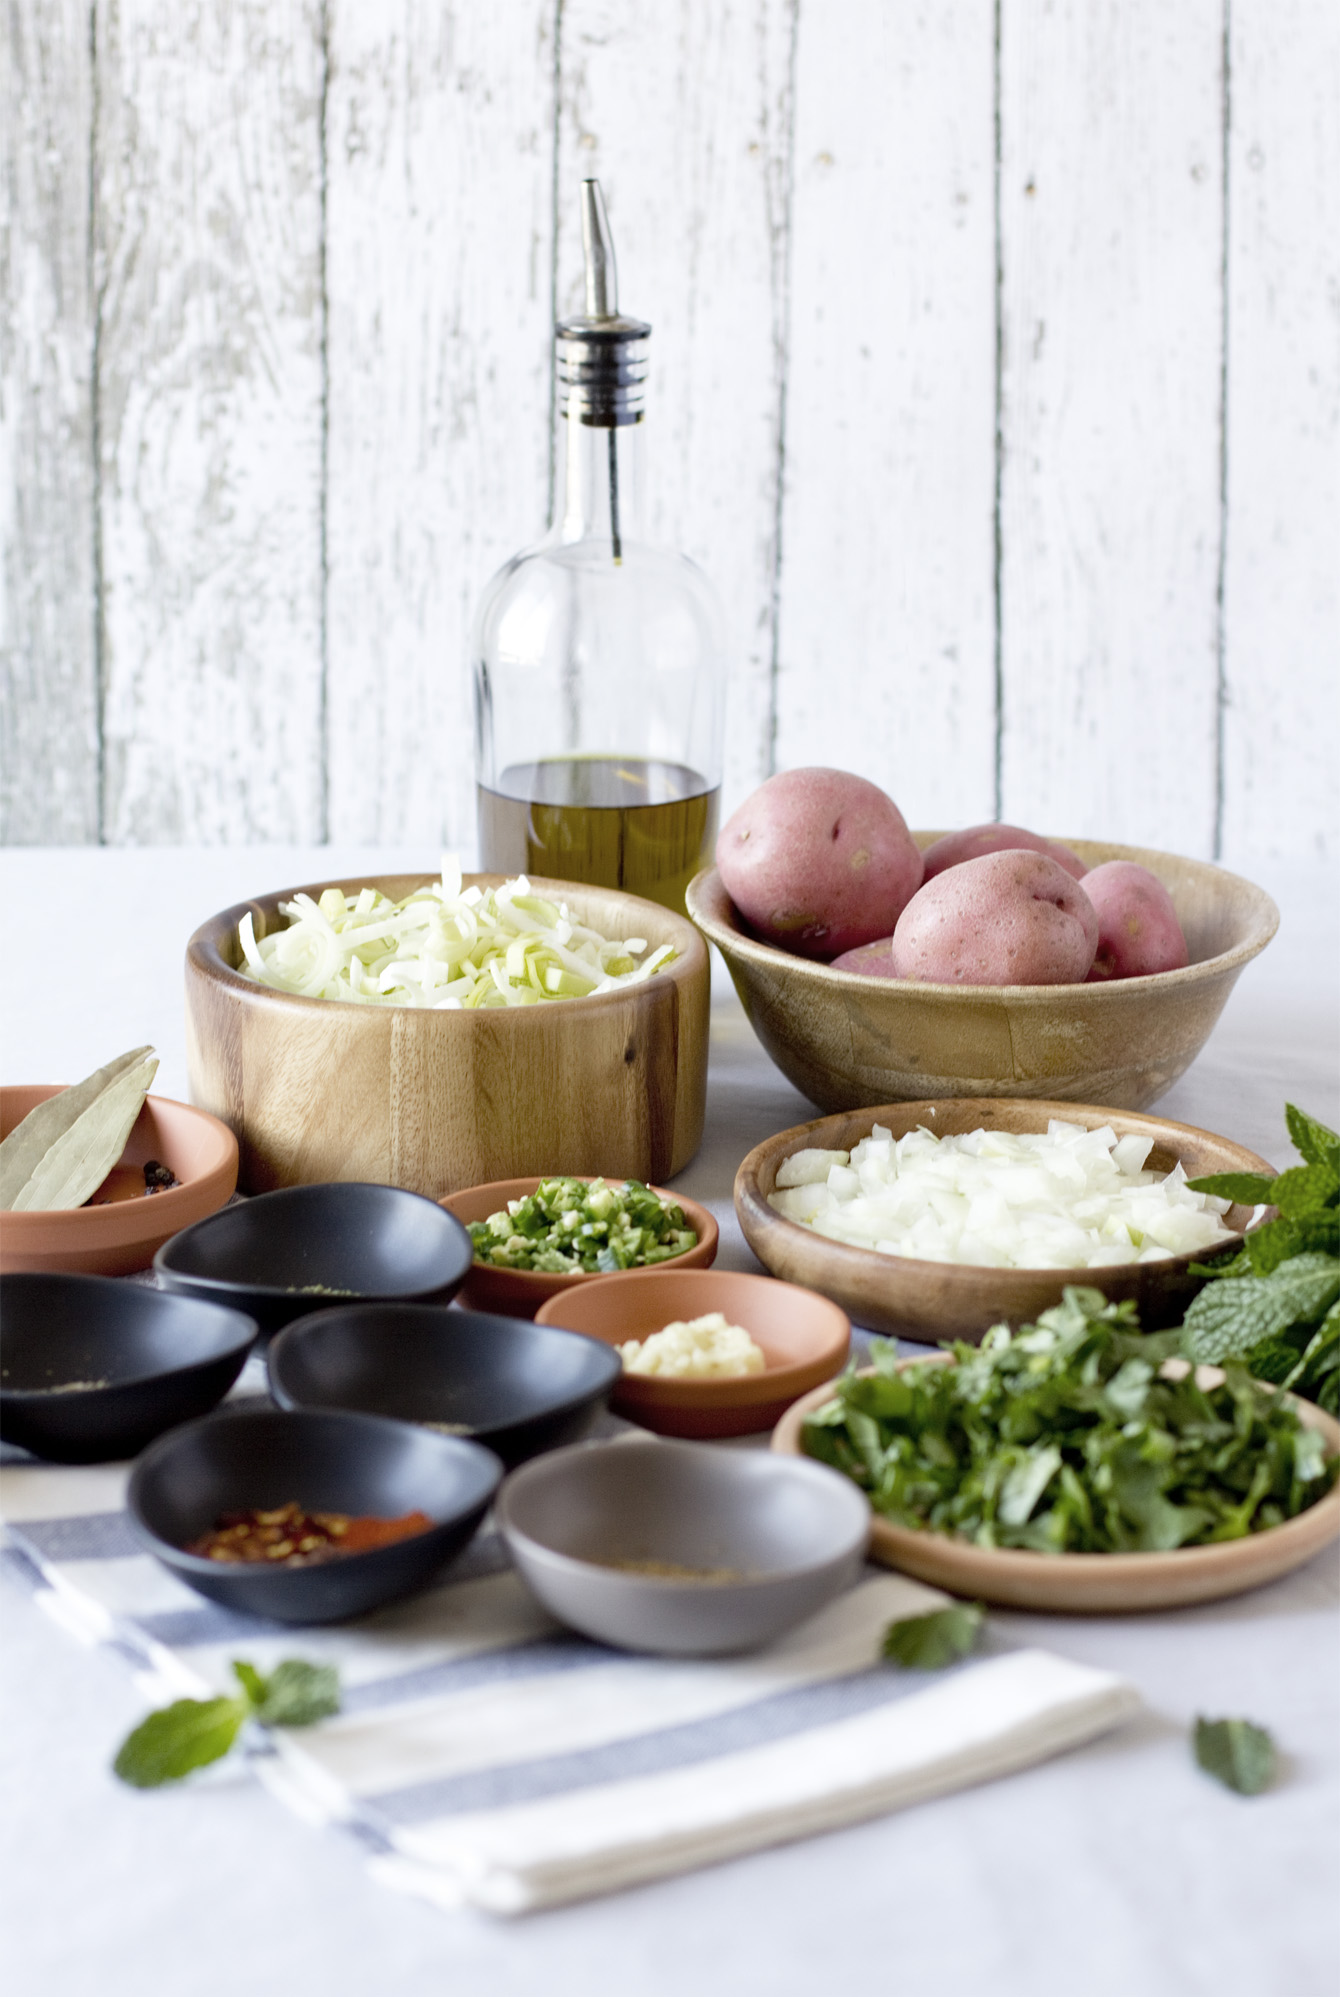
{"type": "Point", "coordinates": [151, 1360]}
{"type": "Point", "coordinates": [515, 1386]}
{"type": "Point", "coordinates": [359, 1464]}
{"type": "Point", "coordinates": [303, 1248]}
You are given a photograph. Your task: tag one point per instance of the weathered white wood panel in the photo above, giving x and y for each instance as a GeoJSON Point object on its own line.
{"type": "Point", "coordinates": [208, 220]}
{"type": "Point", "coordinates": [439, 256]}
{"type": "Point", "coordinates": [682, 110]}
{"type": "Point", "coordinates": [1281, 730]}
{"type": "Point", "coordinates": [48, 670]}
{"type": "Point", "coordinates": [887, 624]}
{"type": "Point", "coordinates": [1111, 249]}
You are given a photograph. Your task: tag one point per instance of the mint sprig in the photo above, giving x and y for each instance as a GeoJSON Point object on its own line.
{"type": "Point", "coordinates": [190, 1733]}
{"type": "Point", "coordinates": [1274, 1304]}
{"type": "Point", "coordinates": [929, 1643]}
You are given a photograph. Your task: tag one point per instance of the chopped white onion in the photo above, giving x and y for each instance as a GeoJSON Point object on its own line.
{"type": "Point", "coordinates": [1072, 1199]}
{"type": "Point", "coordinates": [442, 947]}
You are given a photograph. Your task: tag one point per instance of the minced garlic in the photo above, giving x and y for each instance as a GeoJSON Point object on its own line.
{"type": "Point", "coordinates": [704, 1348]}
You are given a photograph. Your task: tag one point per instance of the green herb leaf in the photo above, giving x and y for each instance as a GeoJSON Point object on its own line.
{"type": "Point", "coordinates": [297, 1694]}
{"type": "Point", "coordinates": [177, 1738]}
{"type": "Point", "coordinates": [249, 1678]}
{"type": "Point", "coordinates": [1307, 1189]}
{"type": "Point", "coordinates": [929, 1643]}
{"type": "Point", "coordinates": [1312, 1140]}
{"type": "Point", "coordinates": [1236, 1753]}
{"type": "Point", "coordinates": [1247, 1189]}
{"type": "Point", "coordinates": [1228, 1318]}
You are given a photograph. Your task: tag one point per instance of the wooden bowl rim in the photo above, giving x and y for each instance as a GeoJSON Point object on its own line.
{"type": "Point", "coordinates": [129, 1223]}
{"type": "Point", "coordinates": [750, 1197]}
{"type": "Point", "coordinates": [1020, 1564]}
{"type": "Point", "coordinates": [545, 1283]}
{"type": "Point", "coordinates": [774, 1383]}
{"type": "Point", "coordinates": [711, 908]}
{"type": "Point", "coordinates": [204, 956]}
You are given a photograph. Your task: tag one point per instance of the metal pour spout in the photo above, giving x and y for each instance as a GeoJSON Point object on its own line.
{"type": "Point", "coordinates": [602, 273]}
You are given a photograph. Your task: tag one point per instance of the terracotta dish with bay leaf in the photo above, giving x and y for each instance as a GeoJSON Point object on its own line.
{"type": "Point", "coordinates": [118, 1231]}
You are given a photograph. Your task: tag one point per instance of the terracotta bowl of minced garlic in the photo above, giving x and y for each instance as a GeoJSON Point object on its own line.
{"type": "Point", "coordinates": [707, 1352]}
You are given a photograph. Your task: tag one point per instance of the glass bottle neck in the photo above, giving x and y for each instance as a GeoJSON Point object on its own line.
{"type": "Point", "coordinates": [598, 496]}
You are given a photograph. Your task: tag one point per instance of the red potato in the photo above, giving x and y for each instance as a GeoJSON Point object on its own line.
{"type": "Point", "coordinates": [978, 840]}
{"type": "Point", "coordinates": [819, 862]}
{"type": "Point", "coordinates": [1012, 918]}
{"type": "Point", "coordinates": [872, 960]}
{"type": "Point", "coordinates": [1138, 930]}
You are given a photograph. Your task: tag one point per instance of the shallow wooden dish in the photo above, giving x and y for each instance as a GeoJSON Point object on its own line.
{"type": "Point", "coordinates": [317, 1089]}
{"type": "Point", "coordinates": [520, 1292]}
{"type": "Point", "coordinates": [1093, 1584]}
{"type": "Point", "coordinates": [122, 1236]}
{"type": "Point", "coordinates": [846, 1040]}
{"type": "Point", "coordinates": [940, 1300]}
{"type": "Point", "coordinates": [803, 1337]}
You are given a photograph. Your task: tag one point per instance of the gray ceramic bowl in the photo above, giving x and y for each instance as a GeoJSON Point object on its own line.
{"type": "Point", "coordinates": [590, 1526]}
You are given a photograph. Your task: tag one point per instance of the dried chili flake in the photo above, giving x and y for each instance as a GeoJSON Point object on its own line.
{"type": "Point", "coordinates": [288, 1536]}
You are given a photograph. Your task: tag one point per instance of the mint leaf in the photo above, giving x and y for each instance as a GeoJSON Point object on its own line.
{"type": "Point", "coordinates": [177, 1738]}
{"type": "Point", "coordinates": [298, 1694]}
{"type": "Point", "coordinates": [1307, 1189]}
{"type": "Point", "coordinates": [1312, 1140]}
{"type": "Point", "coordinates": [1236, 1753]}
{"type": "Point", "coordinates": [1247, 1189]}
{"type": "Point", "coordinates": [929, 1643]}
{"type": "Point", "coordinates": [1228, 1318]}
{"type": "Point", "coordinates": [249, 1678]}
{"type": "Point", "coordinates": [1280, 1240]}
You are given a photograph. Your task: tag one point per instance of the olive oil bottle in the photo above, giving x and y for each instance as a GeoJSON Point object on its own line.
{"type": "Point", "coordinates": [598, 668]}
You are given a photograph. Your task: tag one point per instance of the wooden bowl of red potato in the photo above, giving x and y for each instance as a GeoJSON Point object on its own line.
{"type": "Point", "coordinates": [848, 1040]}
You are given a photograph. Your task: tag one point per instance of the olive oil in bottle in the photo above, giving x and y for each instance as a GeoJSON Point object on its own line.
{"type": "Point", "coordinates": [646, 827]}
{"type": "Point", "coordinates": [598, 658]}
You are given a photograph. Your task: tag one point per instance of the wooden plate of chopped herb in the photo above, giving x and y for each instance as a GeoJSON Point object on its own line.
{"type": "Point", "coordinates": [1077, 1466]}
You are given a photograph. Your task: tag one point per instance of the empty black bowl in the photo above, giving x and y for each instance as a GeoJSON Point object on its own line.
{"type": "Point", "coordinates": [516, 1386]}
{"type": "Point", "coordinates": [359, 1464]}
{"type": "Point", "coordinates": [92, 1369]}
{"type": "Point", "coordinates": [298, 1250]}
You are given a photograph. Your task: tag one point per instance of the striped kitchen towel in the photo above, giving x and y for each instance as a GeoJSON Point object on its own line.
{"type": "Point", "coordinates": [486, 1756]}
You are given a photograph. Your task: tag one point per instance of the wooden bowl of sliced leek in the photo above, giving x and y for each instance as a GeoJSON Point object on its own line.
{"type": "Point", "coordinates": [433, 1097]}
{"type": "Point", "coordinates": [121, 1226]}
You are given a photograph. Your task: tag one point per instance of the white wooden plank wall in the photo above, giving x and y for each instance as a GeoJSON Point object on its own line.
{"type": "Point", "coordinates": [1281, 763]}
{"type": "Point", "coordinates": [887, 656]}
{"type": "Point", "coordinates": [207, 243]}
{"type": "Point", "coordinates": [438, 272]}
{"type": "Point", "coordinates": [49, 707]}
{"type": "Point", "coordinates": [995, 381]}
{"type": "Point", "coordinates": [1110, 252]}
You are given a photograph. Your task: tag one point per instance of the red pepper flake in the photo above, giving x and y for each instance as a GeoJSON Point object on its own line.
{"type": "Point", "coordinates": [287, 1536]}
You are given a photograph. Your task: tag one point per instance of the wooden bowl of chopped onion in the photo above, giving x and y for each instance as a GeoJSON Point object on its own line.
{"type": "Point", "coordinates": [952, 1269]}
{"type": "Point", "coordinates": [686, 1372]}
{"type": "Point", "coordinates": [445, 1054]}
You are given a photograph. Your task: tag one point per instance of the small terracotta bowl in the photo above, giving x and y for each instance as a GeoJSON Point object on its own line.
{"type": "Point", "coordinates": [804, 1338]}
{"type": "Point", "coordinates": [118, 1238]}
{"type": "Point", "coordinates": [520, 1292]}
{"type": "Point", "coordinates": [931, 1301]}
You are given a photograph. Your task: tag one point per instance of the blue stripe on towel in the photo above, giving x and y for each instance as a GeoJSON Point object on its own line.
{"type": "Point", "coordinates": [776, 1718]}
{"type": "Point", "coordinates": [84, 1536]}
{"type": "Point", "coordinates": [543, 1658]}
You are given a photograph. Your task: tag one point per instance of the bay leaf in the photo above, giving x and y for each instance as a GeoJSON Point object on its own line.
{"type": "Point", "coordinates": [29, 1141]}
{"type": "Point", "coordinates": [78, 1162]}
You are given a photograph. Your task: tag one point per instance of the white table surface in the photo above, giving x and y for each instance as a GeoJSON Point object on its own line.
{"type": "Point", "coordinates": [1118, 1869]}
